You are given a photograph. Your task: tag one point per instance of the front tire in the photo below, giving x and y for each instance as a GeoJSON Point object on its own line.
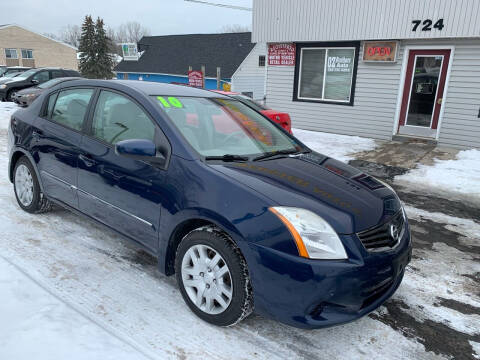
{"type": "Point", "coordinates": [213, 277]}
{"type": "Point", "coordinates": [27, 189]}
{"type": "Point", "coordinates": [9, 96]}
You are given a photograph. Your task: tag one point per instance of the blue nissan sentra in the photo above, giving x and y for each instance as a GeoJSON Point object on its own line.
{"type": "Point", "coordinates": [246, 216]}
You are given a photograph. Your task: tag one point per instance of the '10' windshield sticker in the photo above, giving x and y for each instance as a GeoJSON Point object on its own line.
{"type": "Point", "coordinates": [172, 101]}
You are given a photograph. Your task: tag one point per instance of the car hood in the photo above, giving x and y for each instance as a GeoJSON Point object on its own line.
{"type": "Point", "coordinates": [31, 90]}
{"type": "Point", "coordinates": [350, 200]}
{"type": "Point", "coordinates": [8, 80]}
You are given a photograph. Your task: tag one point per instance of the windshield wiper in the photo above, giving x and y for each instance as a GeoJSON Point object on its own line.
{"type": "Point", "coordinates": [279, 152]}
{"type": "Point", "coordinates": [227, 157]}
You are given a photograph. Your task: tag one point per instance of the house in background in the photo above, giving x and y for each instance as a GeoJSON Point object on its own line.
{"type": "Point", "coordinates": [22, 47]}
{"type": "Point", "coordinates": [249, 78]}
{"type": "Point", "coordinates": [167, 59]}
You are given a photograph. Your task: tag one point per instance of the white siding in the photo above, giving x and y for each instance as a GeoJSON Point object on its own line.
{"type": "Point", "coordinates": [333, 20]}
{"type": "Point", "coordinates": [250, 77]}
{"type": "Point", "coordinates": [376, 95]}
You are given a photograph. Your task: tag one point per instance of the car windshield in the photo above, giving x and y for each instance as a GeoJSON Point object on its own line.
{"type": "Point", "coordinates": [250, 102]}
{"type": "Point", "coordinates": [26, 74]}
{"type": "Point", "coordinates": [220, 126]}
{"type": "Point", "coordinates": [3, 70]}
{"type": "Point", "coordinates": [50, 83]}
{"type": "Point", "coordinates": [12, 74]}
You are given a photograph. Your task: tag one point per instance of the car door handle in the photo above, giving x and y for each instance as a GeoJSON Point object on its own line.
{"type": "Point", "coordinates": [87, 160]}
{"type": "Point", "coordinates": [116, 175]}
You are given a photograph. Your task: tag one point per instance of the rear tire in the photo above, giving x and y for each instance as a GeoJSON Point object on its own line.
{"type": "Point", "coordinates": [216, 286]}
{"type": "Point", "coordinates": [27, 189]}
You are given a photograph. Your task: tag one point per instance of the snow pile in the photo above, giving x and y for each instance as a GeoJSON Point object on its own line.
{"type": "Point", "coordinates": [339, 147]}
{"type": "Point", "coordinates": [460, 176]}
{"type": "Point", "coordinates": [35, 324]}
{"type": "Point", "coordinates": [6, 110]}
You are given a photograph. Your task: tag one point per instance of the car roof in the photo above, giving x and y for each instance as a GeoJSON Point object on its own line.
{"type": "Point", "coordinates": [149, 88]}
{"type": "Point", "coordinates": [18, 67]}
{"type": "Point", "coordinates": [223, 92]}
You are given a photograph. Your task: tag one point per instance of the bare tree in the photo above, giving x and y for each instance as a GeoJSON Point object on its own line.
{"type": "Point", "coordinates": [234, 28]}
{"type": "Point", "coordinates": [51, 36]}
{"type": "Point", "coordinates": [71, 34]}
{"type": "Point", "coordinates": [131, 32]}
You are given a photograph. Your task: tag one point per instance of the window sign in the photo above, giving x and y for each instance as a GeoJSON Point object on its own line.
{"type": "Point", "coordinates": [380, 51]}
{"type": "Point", "coordinates": [339, 74]}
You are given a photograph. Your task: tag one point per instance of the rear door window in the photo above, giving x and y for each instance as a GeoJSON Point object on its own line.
{"type": "Point", "coordinates": [57, 74]}
{"type": "Point", "coordinates": [71, 107]}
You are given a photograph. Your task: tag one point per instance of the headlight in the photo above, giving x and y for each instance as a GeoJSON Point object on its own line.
{"type": "Point", "coordinates": [314, 237]}
{"type": "Point", "coordinates": [3, 86]}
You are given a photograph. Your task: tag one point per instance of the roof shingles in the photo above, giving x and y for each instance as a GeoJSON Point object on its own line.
{"type": "Point", "coordinates": [173, 54]}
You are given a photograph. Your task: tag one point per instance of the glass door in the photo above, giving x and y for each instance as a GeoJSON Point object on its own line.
{"type": "Point", "coordinates": [423, 92]}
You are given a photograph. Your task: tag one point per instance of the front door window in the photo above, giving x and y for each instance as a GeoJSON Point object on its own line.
{"type": "Point", "coordinates": [424, 90]}
{"type": "Point", "coordinates": [41, 77]}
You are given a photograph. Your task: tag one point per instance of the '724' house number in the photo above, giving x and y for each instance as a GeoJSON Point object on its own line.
{"type": "Point", "coordinates": [427, 24]}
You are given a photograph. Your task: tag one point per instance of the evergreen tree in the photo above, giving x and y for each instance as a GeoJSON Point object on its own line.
{"type": "Point", "coordinates": [104, 61]}
{"type": "Point", "coordinates": [87, 49]}
{"type": "Point", "coordinates": [95, 59]}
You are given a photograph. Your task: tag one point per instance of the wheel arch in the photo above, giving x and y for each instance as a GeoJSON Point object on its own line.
{"type": "Point", "coordinates": [16, 155]}
{"type": "Point", "coordinates": [182, 228]}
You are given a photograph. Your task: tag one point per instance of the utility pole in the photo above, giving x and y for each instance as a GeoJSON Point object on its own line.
{"type": "Point", "coordinates": [203, 77]}
{"type": "Point", "coordinates": [218, 78]}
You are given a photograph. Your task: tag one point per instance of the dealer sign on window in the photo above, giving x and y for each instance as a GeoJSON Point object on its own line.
{"type": "Point", "coordinates": [380, 51]}
{"type": "Point", "coordinates": [281, 54]}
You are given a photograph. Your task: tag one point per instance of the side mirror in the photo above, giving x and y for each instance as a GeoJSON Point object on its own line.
{"type": "Point", "coordinates": [34, 81]}
{"type": "Point", "coordinates": [139, 149]}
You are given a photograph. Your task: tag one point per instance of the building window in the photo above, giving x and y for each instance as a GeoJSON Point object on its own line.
{"type": "Point", "coordinates": [130, 51]}
{"type": "Point", "coordinates": [11, 53]}
{"type": "Point", "coordinates": [261, 60]}
{"type": "Point", "coordinates": [27, 54]}
{"type": "Point", "coordinates": [326, 73]}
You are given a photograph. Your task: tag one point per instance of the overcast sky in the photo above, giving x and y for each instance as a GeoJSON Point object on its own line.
{"type": "Point", "coordinates": [160, 16]}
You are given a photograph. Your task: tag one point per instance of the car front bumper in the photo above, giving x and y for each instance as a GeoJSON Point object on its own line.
{"type": "Point", "coordinates": [312, 294]}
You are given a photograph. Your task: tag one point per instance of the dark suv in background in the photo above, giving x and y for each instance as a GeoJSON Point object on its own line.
{"type": "Point", "coordinates": [30, 78]}
{"type": "Point", "coordinates": [5, 70]}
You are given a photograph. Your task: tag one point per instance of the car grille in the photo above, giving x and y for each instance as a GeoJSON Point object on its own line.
{"type": "Point", "coordinates": [385, 236]}
{"type": "Point", "coordinates": [376, 292]}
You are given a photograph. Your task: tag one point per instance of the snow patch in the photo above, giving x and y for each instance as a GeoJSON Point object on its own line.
{"type": "Point", "coordinates": [439, 273]}
{"type": "Point", "coordinates": [6, 111]}
{"type": "Point", "coordinates": [37, 325]}
{"type": "Point", "coordinates": [339, 147]}
{"type": "Point", "coordinates": [460, 176]}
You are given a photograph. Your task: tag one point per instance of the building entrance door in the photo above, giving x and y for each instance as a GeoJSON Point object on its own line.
{"type": "Point", "coordinates": [422, 96]}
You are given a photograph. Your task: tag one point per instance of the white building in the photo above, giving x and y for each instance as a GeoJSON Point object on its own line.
{"type": "Point", "coordinates": [375, 68]}
{"type": "Point", "coordinates": [249, 78]}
